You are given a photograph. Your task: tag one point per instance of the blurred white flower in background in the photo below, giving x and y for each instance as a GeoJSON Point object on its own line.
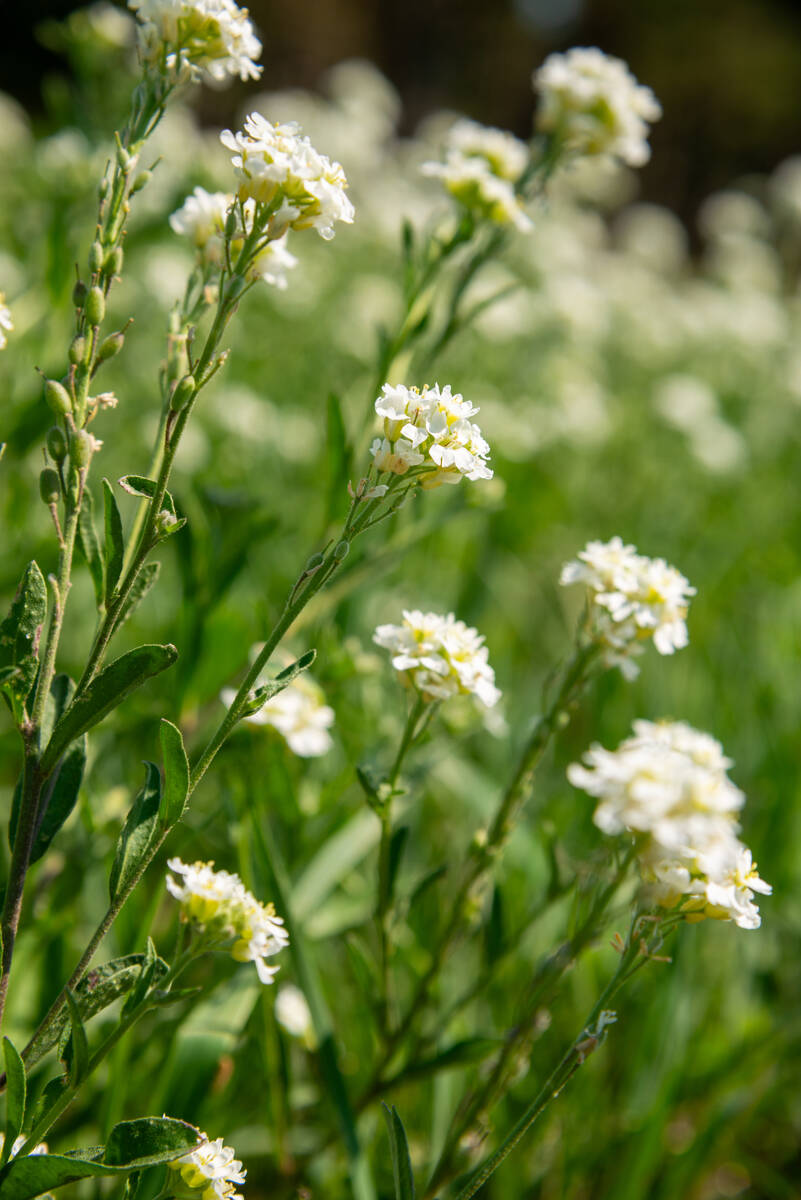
{"type": "Point", "coordinates": [6, 322]}
{"type": "Point", "coordinates": [299, 713]}
{"type": "Point", "coordinates": [440, 657]}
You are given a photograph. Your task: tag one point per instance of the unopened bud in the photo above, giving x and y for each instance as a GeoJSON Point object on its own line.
{"type": "Point", "coordinates": [231, 223]}
{"type": "Point", "coordinates": [49, 486]}
{"type": "Point", "coordinates": [102, 189]}
{"type": "Point", "coordinates": [56, 443]}
{"type": "Point", "coordinates": [95, 257]}
{"type": "Point", "coordinates": [79, 293]}
{"type": "Point", "coordinates": [166, 522]}
{"type": "Point", "coordinates": [95, 306]}
{"type": "Point", "coordinates": [110, 346]}
{"type": "Point", "coordinates": [112, 264]}
{"type": "Point", "coordinates": [82, 445]}
{"type": "Point", "coordinates": [183, 393]}
{"type": "Point", "coordinates": [123, 158]}
{"type": "Point", "coordinates": [57, 397]}
{"type": "Point", "coordinates": [341, 550]}
{"type": "Point", "coordinates": [77, 349]}
{"type": "Point", "coordinates": [142, 180]}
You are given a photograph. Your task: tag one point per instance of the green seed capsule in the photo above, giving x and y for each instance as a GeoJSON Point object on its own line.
{"type": "Point", "coordinates": [79, 293]}
{"type": "Point", "coordinates": [123, 158]}
{"type": "Point", "coordinates": [113, 261]}
{"type": "Point", "coordinates": [314, 564]}
{"type": "Point", "coordinates": [56, 443]}
{"type": "Point", "coordinates": [142, 180]}
{"type": "Point", "coordinates": [111, 346]}
{"type": "Point", "coordinates": [78, 349]}
{"type": "Point", "coordinates": [341, 550]}
{"type": "Point", "coordinates": [49, 486]}
{"type": "Point", "coordinates": [80, 448]}
{"type": "Point", "coordinates": [95, 257]}
{"type": "Point", "coordinates": [231, 223]}
{"type": "Point", "coordinates": [57, 397]}
{"type": "Point", "coordinates": [95, 306]}
{"type": "Point", "coordinates": [183, 393]}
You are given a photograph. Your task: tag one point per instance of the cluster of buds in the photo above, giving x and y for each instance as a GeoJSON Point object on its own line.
{"type": "Point", "coordinates": [430, 434]}
{"type": "Point", "coordinates": [440, 657]}
{"type": "Point", "coordinates": [668, 786]}
{"type": "Point", "coordinates": [481, 171]}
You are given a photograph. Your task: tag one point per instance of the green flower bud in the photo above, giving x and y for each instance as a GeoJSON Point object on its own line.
{"type": "Point", "coordinates": [77, 349]}
{"type": "Point", "coordinates": [111, 346]}
{"type": "Point", "coordinates": [95, 257]}
{"type": "Point", "coordinates": [57, 397]}
{"type": "Point", "coordinates": [231, 224]}
{"type": "Point", "coordinates": [183, 393]}
{"type": "Point", "coordinates": [112, 264]}
{"type": "Point", "coordinates": [81, 447]}
{"type": "Point", "coordinates": [49, 486]}
{"type": "Point", "coordinates": [341, 550]}
{"type": "Point", "coordinates": [56, 443]}
{"type": "Point", "coordinates": [79, 293]}
{"type": "Point", "coordinates": [142, 180]}
{"type": "Point", "coordinates": [95, 306]}
{"type": "Point", "coordinates": [123, 158]}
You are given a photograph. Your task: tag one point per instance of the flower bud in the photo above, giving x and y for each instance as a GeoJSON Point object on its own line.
{"type": "Point", "coordinates": [81, 446]}
{"type": "Point", "coordinates": [95, 257]}
{"type": "Point", "coordinates": [183, 393]}
{"type": "Point", "coordinates": [102, 188]}
{"type": "Point", "coordinates": [123, 158]}
{"type": "Point", "coordinates": [57, 397]}
{"type": "Point", "coordinates": [95, 306]}
{"type": "Point", "coordinates": [56, 443]}
{"type": "Point", "coordinates": [77, 349]}
{"type": "Point", "coordinates": [49, 486]}
{"type": "Point", "coordinates": [166, 523]}
{"type": "Point", "coordinates": [231, 224]}
{"type": "Point", "coordinates": [341, 550]}
{"type": "Point", "coordinates": [111, 346]}
{"type": "Point", "coordinates": [79, 294]}
{"type": "Point", "coordinates": [112, 264]}
{"type": "Point", "coordinates": [142, 180]}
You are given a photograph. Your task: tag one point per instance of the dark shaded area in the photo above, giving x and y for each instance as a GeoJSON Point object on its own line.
{"type": "Point", "coordinates": [728, 72]}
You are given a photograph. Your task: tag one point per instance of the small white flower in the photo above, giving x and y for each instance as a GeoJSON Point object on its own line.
{"type": "Point", "coordinates": [6, 323]}
{"type": "Point", "coordinates": [214, 39]}
{"type": "Point", "coordinates": [279, 167]}
{"type": "Point", "coordinates": [219, 903]}
{"type": "Point", "coordinates": [299, 713]}
{"type": "Point", "coordinates": [292, 1011]}
{"type": "Point", "coordinates": [668, 785]}
{"type": "Point", "coordinates": [429, 427]}
{"type": "Point", "coordinates": [506, 155]}
{"type": "Point", "coordinates": [633, 598]}
{"type": "Point", "coordinates": [272, 262]}
{"type": "Point", "coordinates": [201, 218]}
{"type": "Point", "coordinates": [593, 102]}
{"type": "Point", "coordinates": [440, 656]}
{"type": "Point", "coordinates": [471, 181]}
{"type": "Point", "coordinates": [211, 1169]}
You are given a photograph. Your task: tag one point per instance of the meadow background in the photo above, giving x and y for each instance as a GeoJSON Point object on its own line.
{"type": "Point", "coordinates": [642, 377]}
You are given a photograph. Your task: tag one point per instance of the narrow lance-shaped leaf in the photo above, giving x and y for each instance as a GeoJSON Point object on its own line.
{"type": "Point", "coordinates": [15, 1097]}
{"type": "Point", "coordinates": [176, 774]}
{"type": "Point", "coordinates": [114, 547]}
{"type": "Point", "coordinates": [139, 485]}
{"type": "Point", "coordinates": [89, 546]}
{"type": "Point", "coordinates": [266, 691]}
{"type": "Point", "coordinates": [104, 693]}
{"type": "Point", "coordinates": [76, 1053]}
{"type": "Point", "coordinates": [139, 833]}
{"type": "Point", "coordinates": [19, 639]}
{"type": "Point", "coordinates": [399, 1149]}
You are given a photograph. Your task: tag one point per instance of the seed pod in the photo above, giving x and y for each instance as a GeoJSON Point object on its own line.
{"type": "Point", "coordinates": [111, 346]}
{"type": "Point", "coordinates": [79, 293]}
{"type": "Point", "coordinates": [81, 448]}
{"type": "Point", "coordinates": [123, 158]}
{"type": "Point", "coordinates": [142, 180]}
{"type": "Point", "coordinates": [231, 223]}
{"type": "Point", "coordinates": [95, 306]}
{"type": "Point", "coordinates": [77, 349]}
{"type": "Point", "coordinates": [57, 397]}
{"type": "Point", "coordinates": [113, 261]}
{"type": "Point", "coordinates": [56, 443]}
{"type": "Point", "coordinates": [183, 393]}
{"type": "Point", "coordinates": [314, 564]}
{"type": "Point", "coordinates": [95, 257]}
{"type": "Point", "coordinates": [49, 486]}
{"type": "Point", "coordinates": [341, 550]}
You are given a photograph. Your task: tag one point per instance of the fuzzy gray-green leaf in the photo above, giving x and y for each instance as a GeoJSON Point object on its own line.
{"type": "Point", "coordinates": [139, 833]}
{"type": "Point", "coordinates": [114, 546]}
{"type": "Point", "coordinates": [19, 639]}
{"type": "Point", "coordinates": [15, 1097]}
{"type": "Point", "coordinates": [176, 774]}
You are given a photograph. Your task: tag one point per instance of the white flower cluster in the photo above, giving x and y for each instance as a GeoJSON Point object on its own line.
{"type": "Point", "coordinates": [19, 1142]}
{"type": "Point", "coordinates": [633, 598]}
{"type": "Point", "coordinates": [594, 104]}
{"type": "Point", "coordinates": [299, 713]}
{"type": "Point", "coordinates": [481, 167]}
{"type": "Point", "coordinates": [279, 167]}
{"type": "Point", "coordinates": [440, 657]}
{"type": "Point", "coordinates": [6, 323]}
{"type": "Point", "coordinates": [668, 785]}
{"type": "Point", "coordinates": [210, 1169]}
{"type": "Point", "coordinates": [202, 218]}
{"type": "Point", "coordinates": [220, 904]}
{"type": "Point", "coordinates": [212, 39]}
{"type": "Point", "coordinates": [427, 427]}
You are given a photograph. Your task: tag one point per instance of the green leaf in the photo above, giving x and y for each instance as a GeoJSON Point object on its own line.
{"type": "Point", "coordinates": [132, 1146]}
{"type": "Point", "coordinates": [139, 834]}
{"type": "Point", "coordinates": [396, 847]}
{"type": "Point", "coordinates": [266, 691]}
{"type": "Point", "coordinates": [399, 1149]}
{"type": "Point", "coordinates": [139, 485]}
{"type": "Point", "coordinates": [176, 774]}
{"type": "Point", "coordinates": [150, 971]}
{"type": "Point", "coordinates": [89, 546]}
{"type": "Point", "coordinates": [339, 453]}
{"type": "Point", "coordinates": [100, 987]}
{"type": "Point", "coordinates": [15, 1097]}
{"type": "Point", "coordinates": [103, 695]}
{"type": "Point", "coordinates": [114, 547]}
{"type": "Point", "coordinates": [19, 640]}
{"type": "Point", "coordinates": [76, 1054]}
{"type": "Point", "coordinates": [142, 585]}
